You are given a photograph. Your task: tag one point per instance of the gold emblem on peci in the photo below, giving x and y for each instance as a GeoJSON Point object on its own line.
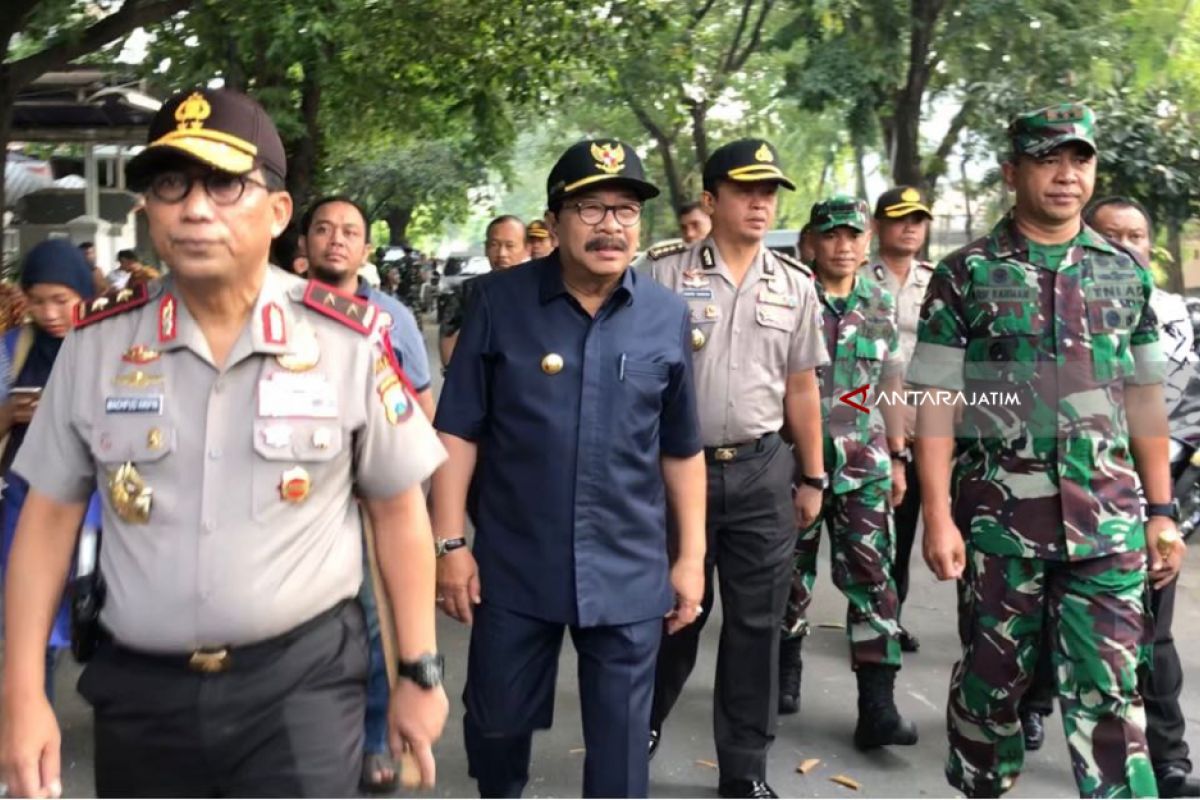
{"type": "Point", "coordinates": [764, 154]}
{"type": "Point", "coordinates": [910, 196]}
{"type": "Point", "coordinates": [609, 158]}
{"type": "Point", "coordinates": [192, 112]}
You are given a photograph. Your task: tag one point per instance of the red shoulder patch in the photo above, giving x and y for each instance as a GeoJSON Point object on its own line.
{"type": "Point", "coordinates": [353, 312]}
{"type": "Point", "coordinates": [111, 303]}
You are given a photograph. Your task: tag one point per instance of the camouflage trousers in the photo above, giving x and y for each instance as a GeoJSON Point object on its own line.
{"type": "Point", "coordinates": [1097, 612]}
{"type": "Point", "coordinates": [862, 539]}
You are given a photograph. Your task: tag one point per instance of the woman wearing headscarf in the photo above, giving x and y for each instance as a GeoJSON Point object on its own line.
{"type": "Point", "coordinates": [55, 278]}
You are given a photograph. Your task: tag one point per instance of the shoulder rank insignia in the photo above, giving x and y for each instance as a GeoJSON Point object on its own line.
{"type": "Point", "coordinates": [353, 312]}
{"type": "Point", "coordinates": [793, 262]}
{"type": "Point", "coordinates": [663, 250]}
{"type": "Point", "coordinates": [111, 303]}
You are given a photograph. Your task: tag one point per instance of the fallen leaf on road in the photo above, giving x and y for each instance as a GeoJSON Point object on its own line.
{"type": "Point", "coordinates": [700, 762]}
{"type": "Point", "coordinates": [836, 626]}
{"type": "Point", "coordinates": [807, 765]}
{"type": "Point", "coordinates": [849, 783]}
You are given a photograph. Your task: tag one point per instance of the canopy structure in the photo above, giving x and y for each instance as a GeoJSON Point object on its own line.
{"type": "Point", "coordinates": [89, 105]}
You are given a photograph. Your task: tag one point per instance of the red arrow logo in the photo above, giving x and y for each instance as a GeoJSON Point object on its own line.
{"type": "Point", "coordinates": [862, 390]}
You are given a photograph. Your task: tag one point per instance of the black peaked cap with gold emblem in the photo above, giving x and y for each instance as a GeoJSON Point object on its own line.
{"type": "Point", "coordinates": [746, 161]}
{"type": "Point", "coordinates": [219, 128]}
{"type": "Point", "coordinates": [596, 162]}
{"type": "Point", "coordinates": [900, 201]}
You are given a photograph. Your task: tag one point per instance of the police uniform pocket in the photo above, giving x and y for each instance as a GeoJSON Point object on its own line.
{"type": "Point", "coordinates": [287, 454]}
{"type": "Point", "coordinates": [133, 440]}
{"type": "Point", "coordinates": [776, 317]}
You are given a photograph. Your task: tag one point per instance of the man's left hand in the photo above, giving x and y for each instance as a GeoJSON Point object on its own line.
{"type": "Point", "coordinates": [899, 482]}
{"type": "Point", "coordinates": [807, 500]}
{"type": "Point", "coordinates": [416, 718]}
{"type": "Point", "coordinates": [687, 579]}
{"type": "Point", "coordinates": [1166, 556]}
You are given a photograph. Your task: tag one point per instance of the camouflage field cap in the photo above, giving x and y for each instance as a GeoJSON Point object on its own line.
{"type": "Point", "coordinates": [840, 210]}
{"type": "Point", "coordinates": [1039, 132]}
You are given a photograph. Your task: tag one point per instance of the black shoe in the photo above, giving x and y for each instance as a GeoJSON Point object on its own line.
{"type": "Point", "coordinates": [1034, 727]}
{"type": "Point", "coordinates": [790, 670]}
{"type": "Point", "coordinates": [908, 642]}
{"type": "Point", "coordinates": [655, 739]}
{"type": "Point", "coordinates": [1174, 781]}
{"type": "Point", "coordinates": [745, 789]}
{"type": "Point", "coordinates": [879, 723]}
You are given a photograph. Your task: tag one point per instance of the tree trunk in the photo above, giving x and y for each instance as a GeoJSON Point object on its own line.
{"type": "Point", "coordinates": [966, 192]}
{"type": "Point", "coordinates": [700, 132]}
{"type": "Point", "coordinates": [906, 160]}
{"type": "Point", "coordinates": [306, 151]}
{"type": "Point", "coordinates": [1175, 247]}
{"type": "Point", "coordinates": [860, 171]}
{"type": "Point", "coordinates": [671, 172]}
{"type": "Point", "coordinates": [397, 219]}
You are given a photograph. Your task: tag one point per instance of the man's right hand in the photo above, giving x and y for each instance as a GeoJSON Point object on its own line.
{"type": "Point", "coordinates": [30, 748]}
{"type": "Point", "coordinates": [458, 584]}
{"type": "Point", "coordinates": [943, 548]}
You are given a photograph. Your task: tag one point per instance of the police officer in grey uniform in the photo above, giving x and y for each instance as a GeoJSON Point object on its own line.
{"type": "Point", "coordinates": [228, 414]}
{"type": "Point", "coordinates": [902, 219]}
{"type": "Point", "coordinates": [756, 333]}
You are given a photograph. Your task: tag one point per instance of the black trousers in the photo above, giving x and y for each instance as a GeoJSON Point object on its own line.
{"type": "Point", "coordinates": [285, 720]}
{"type": "Point", "coordinates": [751, 532]}
{"type": "Point", "coordinates": [1160, 682]}
{"type": "Point", "coordinates": [511, 675]}
{"type": "Point", "coordinates": [907, 515]}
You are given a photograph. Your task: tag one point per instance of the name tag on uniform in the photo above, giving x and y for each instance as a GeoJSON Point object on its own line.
{"type": "Point", "coordinates": [297, 394]}
{"type": "Point", "coordinates": [144, 404]}
{"type": "Point", "coordinates": [777, 298]}
{"type": "Point", "coordinates": [698, 294]}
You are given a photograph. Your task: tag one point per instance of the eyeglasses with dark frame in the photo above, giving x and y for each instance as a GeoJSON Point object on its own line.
{"type": "Point", "coordinates": [592, 212]}
{"type": "Point", "coordinates": [223, 188]}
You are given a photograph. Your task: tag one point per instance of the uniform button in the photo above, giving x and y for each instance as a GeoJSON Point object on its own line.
{"type": "Point", "coordinates": [737, 330]}
{"type": "Point", "coordinates": [733, 366]}
{"type": "Point", "coordinates": [219, 386]}
{"type": "Point", "coordinates": [209, 526]}
{"type": "Point", "coordinates": [1068, 341]}
{"type": "Point", "coordinates": [214, 453]}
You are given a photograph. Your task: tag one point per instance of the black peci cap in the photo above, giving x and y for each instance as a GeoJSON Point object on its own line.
{"type": "Point", "coordinates": [746, 161]}
{"type": "Point", "coordinates": [593, 162]}
{"type": "Point", "coordinates": [901, 201]}
{"type": "Point", "coordinates": [221, 128]}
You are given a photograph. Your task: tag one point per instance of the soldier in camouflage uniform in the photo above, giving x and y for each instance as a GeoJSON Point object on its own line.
{"type": "Point", "coordinates": [1045, 491]}
{"type": "Point", "coordinates": [859, 321]}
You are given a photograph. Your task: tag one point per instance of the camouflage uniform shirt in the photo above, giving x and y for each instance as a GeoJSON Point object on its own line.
{"type": "Point", "coordinates": [1052, 476]}
{"type": "Point", "coordinates": [863, 343]}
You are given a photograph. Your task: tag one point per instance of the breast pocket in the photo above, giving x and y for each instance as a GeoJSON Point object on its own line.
{"type": "Point", "coordinates": [869, 357]}
{"type": "Point", "coordinates": [1113, 312]}
{"type": "Point", "coordinates": [1002, 359]}
{"type": "Point", "coordinates": [128, 491]}
{"type": "Point", "coordinates": [289, 456]}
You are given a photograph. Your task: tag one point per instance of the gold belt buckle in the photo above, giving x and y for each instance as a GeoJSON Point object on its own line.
{"type": "Point", "coordinates": [209, 661]}
{"type": "Point", "coordinates": [725, 454]}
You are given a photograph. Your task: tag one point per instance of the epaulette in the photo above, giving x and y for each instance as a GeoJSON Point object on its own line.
{"type": "Point", "coordinates": [791, 261]}
{"type": "Point", "coordinates": [663, 250]}
{"type": "Point", "coordinates": [352, 311]}
{"type": "Point", "coordinates": [926, 265]}
{"type": "Point", "coordinates": [111, 303]}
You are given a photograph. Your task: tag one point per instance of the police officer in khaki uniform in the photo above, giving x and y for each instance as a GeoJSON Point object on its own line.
{"type": "Point", "coordinates": [757, 336]}
{"type": "Point", "coordinates": [229, 414]}
{"type": "Point", "coordinates": [902, 219]}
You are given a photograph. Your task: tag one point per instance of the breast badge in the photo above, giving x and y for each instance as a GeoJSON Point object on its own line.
{"type": "Point", "coordinates": [129, 494]}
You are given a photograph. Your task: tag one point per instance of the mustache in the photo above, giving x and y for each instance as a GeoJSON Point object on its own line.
{"type": "Point", "coordinates": [607, 243]}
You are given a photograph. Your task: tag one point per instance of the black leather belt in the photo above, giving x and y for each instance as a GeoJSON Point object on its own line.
{"type": "Point", "coordinates": [728, 453]}
{"type": "Point", "coordinates": [212, 660]}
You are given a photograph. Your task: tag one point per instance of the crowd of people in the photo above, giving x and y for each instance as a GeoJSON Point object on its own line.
{"type": "Point", "coordinates": [283, 504]}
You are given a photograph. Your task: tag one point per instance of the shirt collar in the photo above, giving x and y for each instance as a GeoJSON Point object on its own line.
{"type": "Point", "coordinates": [550, 281]}
{"type": "Point", "coordinates": [1006, 241]}
{"type": "Point", "coordinates": [270, 328]}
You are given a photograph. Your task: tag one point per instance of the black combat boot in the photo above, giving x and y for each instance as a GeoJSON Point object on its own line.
{"type": "Point", "coordinates": [790, 668]}
{"type": "Point", "coordinates": [879, 723]}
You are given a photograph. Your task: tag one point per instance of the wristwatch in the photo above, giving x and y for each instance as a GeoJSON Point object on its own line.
{"type": "Point", "coordinates": [821, 482]}
{"type": "Point", "coordinates": [903, 455]}
{"type": "Point", "coordinates": [425, 672]}
{"type": "Point", "coordinates": [1169, 510]}
{"type": "Point", "coordinates": [443, 546]}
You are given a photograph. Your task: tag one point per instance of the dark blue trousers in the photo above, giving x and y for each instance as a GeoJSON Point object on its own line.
{"type": "Point", "coordinates": [511, 673]}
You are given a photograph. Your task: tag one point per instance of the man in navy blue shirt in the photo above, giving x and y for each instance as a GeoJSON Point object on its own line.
{"type": "Point", "coordinates": [570, 407]}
